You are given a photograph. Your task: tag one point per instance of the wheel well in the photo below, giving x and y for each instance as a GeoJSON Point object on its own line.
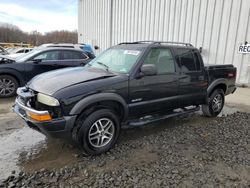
{"type": "Point", "coordinates": [113, 105]}
{"type": "Point", "coordinates": [219, 86]}
{"type": "Point", "coordinates": [9, 74]}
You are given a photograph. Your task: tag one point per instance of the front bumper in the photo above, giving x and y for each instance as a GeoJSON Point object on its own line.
{"type": "Point", "coordinates": [58, 128]}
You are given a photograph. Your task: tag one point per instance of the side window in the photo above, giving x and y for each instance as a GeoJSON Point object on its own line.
{"type": "Point", "coordinates": [162, 59]}
{"type": "Point", "coordinates": [50, 55]}
{"type": "Point", "coordinates": [67, 55]}
{"type": "Point", "coordinates": [188, 61]}
{"type": "Point", "coordinates": [20, 51]}
{"type": "Point", "coordinates": [197, 61]}
{"type": "Point", "coordinates": [27, 50]}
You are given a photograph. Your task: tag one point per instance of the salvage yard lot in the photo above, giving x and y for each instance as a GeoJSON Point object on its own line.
{"type": "Point", "coordinates": [190, 151]}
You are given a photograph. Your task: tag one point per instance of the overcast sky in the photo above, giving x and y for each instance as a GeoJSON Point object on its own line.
{"type": "Point", "coordinates": [40, 15]}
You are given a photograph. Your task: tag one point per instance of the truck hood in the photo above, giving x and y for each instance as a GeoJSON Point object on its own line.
{"type": "Point", "coordinates": [53, 81]}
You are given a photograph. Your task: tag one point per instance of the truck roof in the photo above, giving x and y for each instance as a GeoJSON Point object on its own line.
{"type": "Point", "coordinates": [144, 44]}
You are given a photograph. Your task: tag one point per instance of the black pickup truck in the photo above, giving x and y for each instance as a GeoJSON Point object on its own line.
{"type": "Point", "coordinates": [130, 84]}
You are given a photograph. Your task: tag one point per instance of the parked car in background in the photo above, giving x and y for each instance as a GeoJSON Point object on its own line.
{"type": "Point", "coordinates": [20, 50]}
{"type": "Point", "coordinates": [17, 52]}
{"type": "Point", "coordinates": [17, 72]}
{"type": "Point", "coordinates": [6, 59]}
{"type": "Point", "coordinates": [130, 84]}
{"type": "Point", "coordinates": [85, 47]}
{"type": "Point", "coordinates": [11, 49]}
{"type": "Point", "coordinates": [3, 51]}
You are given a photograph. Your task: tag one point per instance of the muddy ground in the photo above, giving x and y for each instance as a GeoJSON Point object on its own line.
{"type": "Point", "coordinates": [189, 151]}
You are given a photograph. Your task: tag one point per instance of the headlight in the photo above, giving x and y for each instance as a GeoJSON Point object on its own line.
{"type": "Point", "coordinates": [48, 100]}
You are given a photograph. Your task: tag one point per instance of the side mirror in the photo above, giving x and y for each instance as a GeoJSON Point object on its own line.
{"type": "Point", "coordinates": [36, 61]}
{"type": "Point", "coordinates": [96, 47]}
{"type": "Point", "coordinates": [148, 70]}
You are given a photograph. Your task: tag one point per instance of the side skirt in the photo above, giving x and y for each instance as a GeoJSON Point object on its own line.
{"type": "Point", "coordinates": [158, 117]}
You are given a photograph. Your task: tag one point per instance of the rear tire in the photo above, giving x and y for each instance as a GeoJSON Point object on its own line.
{"type": "Point", "coordinates": [97, 132]}
{"type": "Point", "coordinates": [215, 104]}
{"type": "Point", "coordinates": [8, 86]}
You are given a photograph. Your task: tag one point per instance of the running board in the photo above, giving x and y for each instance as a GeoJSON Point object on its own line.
{"type": "Point", "coordinates": [154, 118]}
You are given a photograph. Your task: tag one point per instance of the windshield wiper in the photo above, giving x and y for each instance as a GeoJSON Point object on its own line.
{"type": "Point", "coordinates": [104, 65]}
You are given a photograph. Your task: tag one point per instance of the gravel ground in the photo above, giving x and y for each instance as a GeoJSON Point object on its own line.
{"type": "Point", "coordinates": [191, 151]}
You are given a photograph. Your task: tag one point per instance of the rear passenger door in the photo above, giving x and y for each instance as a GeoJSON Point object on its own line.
{"type": "Point", "coordinates": [70, 58]}
{"type": "Point", "coordinates": [193, 83]}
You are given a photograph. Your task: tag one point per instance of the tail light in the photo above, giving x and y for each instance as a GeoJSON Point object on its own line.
{"type": "Point", "coordinates": [231, 75]}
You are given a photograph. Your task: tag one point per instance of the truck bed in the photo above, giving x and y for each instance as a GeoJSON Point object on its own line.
{"type": "Point", "coordinates": [226, 72]}
{"type": "Point", "coordinates": [216, 66]}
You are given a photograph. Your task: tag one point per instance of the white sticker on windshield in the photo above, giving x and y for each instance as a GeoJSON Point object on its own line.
{"type": "Point", "coordinates": [132, 52]}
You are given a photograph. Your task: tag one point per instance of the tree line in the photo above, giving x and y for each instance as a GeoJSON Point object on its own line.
{"type": "Point", "coordinates": [12, 34]}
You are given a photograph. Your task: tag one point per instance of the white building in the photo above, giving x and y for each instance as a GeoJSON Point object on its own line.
{"type": "Point", "coordinates": [218, 26]}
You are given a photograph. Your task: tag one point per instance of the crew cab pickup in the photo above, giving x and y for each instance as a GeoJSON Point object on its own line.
{"type": "Point", "coordinates": [130, 84]}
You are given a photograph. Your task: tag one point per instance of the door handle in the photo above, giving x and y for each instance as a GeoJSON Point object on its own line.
{"type": "Point", "coordinates": [183, 77]}
{"type": "Point", "coordinates": [201, 78]}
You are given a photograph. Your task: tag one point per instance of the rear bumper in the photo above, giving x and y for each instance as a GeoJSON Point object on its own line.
{"type": "Point", "coordinates": [58, 128]}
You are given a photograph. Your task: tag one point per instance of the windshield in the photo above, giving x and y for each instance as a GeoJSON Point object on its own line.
{"type": "Point", "coordinates": [116, 60]}
{"type": "Point", "coordinates": [27, 56]}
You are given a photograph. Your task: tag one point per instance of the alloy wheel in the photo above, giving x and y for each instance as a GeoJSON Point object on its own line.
{"type": "Point", "coordinates": [7, 87]}
{"type": "Point", "coordinates": [217, 103]}
{"type": "Point", "coordinates": [101, 132]}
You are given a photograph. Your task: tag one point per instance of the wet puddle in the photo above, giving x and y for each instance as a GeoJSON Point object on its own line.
{"type": "Point", "coordinates": [54, 155]}
{"type": "Point", "coordinates": [29, 150]}
{"type": "Point", "coordinates": [13, 144]}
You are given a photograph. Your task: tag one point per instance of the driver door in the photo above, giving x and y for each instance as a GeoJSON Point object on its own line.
{"type": "Point", "coordinates": [43, 62]}
{"type": "Point", "coordinates": [149, 94]}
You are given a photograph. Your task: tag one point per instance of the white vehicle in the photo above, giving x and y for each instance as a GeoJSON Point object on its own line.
{"type": "Point", "coordinates": [18, 52]}
{"type": "Point", "coordinates": [3, 51]}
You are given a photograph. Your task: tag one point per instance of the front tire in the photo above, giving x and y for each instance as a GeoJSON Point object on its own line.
{"type": "Point", "coordinates": [98, 132]}
{"type": "Point", "coordinates": [8, 86]}
{"type": "Point", "coordinates": [215, 103]}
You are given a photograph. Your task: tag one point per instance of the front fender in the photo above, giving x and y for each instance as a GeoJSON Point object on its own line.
{"type": "Point", "coordinates": [82, 104]}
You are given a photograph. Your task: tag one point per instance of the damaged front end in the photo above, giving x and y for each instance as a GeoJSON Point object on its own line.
{"type": "Point", "coordinates": [44, 118]}
{"type": "Point", "coordinates": [6, 60]}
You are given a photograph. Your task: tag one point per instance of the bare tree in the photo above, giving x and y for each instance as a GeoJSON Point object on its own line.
{"type": "Point", "coordinates": [11, 33]}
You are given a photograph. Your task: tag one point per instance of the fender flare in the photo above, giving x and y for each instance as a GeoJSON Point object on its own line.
{"type": "Point", "coordinates": [13, 73]}
{"type": "Point", "coordinates": [82, 104]}
{"type": "Point", "coordinates": [216, 83]}
{"type": "Point", "coordinates": [213, 85]}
